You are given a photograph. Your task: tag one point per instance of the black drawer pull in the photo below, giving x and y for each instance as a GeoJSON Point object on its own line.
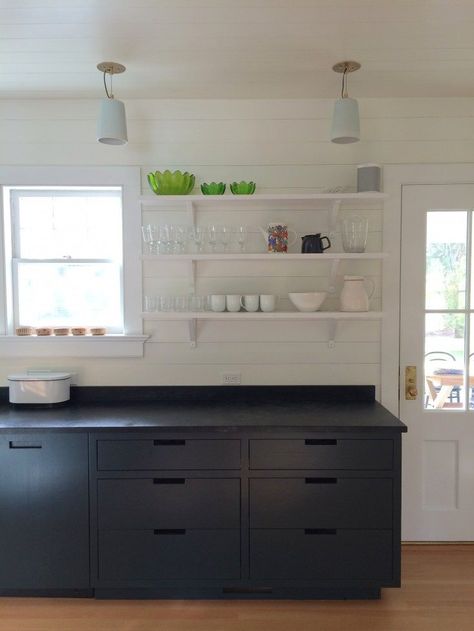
{"type": "Point", "coordinates": [320, 531]}
{"type": "Point", "coordinates": [169, 481]}
{"type": "Point", "coordinates": [24, 444]}
{"type": "Point", "coordinates": [320, 480]}
{"type": "Point", "coordinates": [320, 441]}
{"type": "Point", "coordinates": [169, 531]}
{"type": "Point", "coordinates": [163, 442]}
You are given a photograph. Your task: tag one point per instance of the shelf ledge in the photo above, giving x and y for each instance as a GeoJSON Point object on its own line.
{"type": "Point", "coordinates": [260, 315]}
{"type": "Point", "coordinates": [72, 346]}
{"type": "Point", "coordinates": [265, 256]}
{"type": "Point", "coordinates": [332, 317]}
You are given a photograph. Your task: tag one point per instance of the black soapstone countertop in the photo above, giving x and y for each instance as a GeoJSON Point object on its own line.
{"type": "Point", "coordinates": [320, 408]}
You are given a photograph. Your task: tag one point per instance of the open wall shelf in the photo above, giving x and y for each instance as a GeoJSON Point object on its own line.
{"type": "Point", "coordinates": [332, 317]}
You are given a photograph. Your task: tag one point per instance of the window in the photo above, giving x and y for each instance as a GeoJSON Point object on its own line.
{"type": "Point", "coordinates": [67, 257]}
{"type": "Point", "coordinates": [70, 246]}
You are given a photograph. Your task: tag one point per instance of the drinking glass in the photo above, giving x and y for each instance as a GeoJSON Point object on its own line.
{"type": "Point", "coordinates": [181, 303]}
{"type": "Point", "coordinates": [180, 239]}
{"type": "Point", "coordinates": [196, 303]}
{"type": "Point", "coordinates": [165, 239]}
{"type": "Point", "coordinates": [241, 237]}
{"type": "Point", "coordinates": [354, 233]}
{"type": "Point", "coordinates": [151, 236]}
{"type": "Point", "coordinates": [225, 236]}
{"type": "Point", "coordinates": [196, 235]}
{"type": "Point", "coordinates": [212, 237]}
{"type": "Point", "coordinates": [151, 303]}
{"type": "Point", "coordinates": [167, 303]}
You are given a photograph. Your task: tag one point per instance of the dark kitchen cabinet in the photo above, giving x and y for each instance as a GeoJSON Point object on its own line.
{"type": "Point", "coordinates": [297, 514]}
{"type": "Point", "coordinates": [44, 512]}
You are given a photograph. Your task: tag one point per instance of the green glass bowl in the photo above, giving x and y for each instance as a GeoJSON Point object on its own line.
{"type": "Point", "coordinates": [243, 188]}
{"type": "Point", "coordinates": [167, 183]}
{"type": "Point", "coordinates": [213, 188]}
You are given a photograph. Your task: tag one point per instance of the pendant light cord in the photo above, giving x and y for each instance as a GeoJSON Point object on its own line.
{"type": "Point", "coordinates": [344, 84]}
{"type": "Point", "coordinates": [109, 96]}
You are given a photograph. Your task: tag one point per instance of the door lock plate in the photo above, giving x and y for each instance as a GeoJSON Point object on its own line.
{"type": "Point", "coordinates": [411, 391]}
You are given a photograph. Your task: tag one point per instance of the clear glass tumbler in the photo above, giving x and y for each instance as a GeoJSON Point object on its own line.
{"type": "Point", "coordinates": [354, 233]}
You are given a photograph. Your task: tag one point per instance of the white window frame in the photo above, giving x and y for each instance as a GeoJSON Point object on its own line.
{"type": "Point", "coordinates": [128, 344]}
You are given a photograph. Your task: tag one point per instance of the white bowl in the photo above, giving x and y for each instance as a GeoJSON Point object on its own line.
{"type": "Point", "coordinates": [310, 301]}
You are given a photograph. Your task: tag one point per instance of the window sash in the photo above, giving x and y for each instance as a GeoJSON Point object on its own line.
{"type": "Point", "coordinates": [18, 192]}
{"type": "Point", "coordinates": [15, 287]}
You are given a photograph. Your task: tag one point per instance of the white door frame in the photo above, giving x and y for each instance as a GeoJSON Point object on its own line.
{"type": "Point", "coordinates": [395, 176]}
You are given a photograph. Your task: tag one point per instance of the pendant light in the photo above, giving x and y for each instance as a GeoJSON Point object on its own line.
{"type": "Point", "coordinates": [112, 123]}
{"type": "Point", "coordinates": [345, 119]}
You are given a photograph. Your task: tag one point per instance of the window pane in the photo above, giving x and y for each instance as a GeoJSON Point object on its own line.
{"type": "Point", "coordinates": [72, 225]}
{"type": "Point", "coordinates": [444, 361]}
{"type": "Point", "coordinates": [70, 294]}
{"type": "Point", "coordinates": [446, 259]}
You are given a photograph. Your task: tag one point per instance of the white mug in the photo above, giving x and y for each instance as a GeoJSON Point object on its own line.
{"type": "Point", "coordinates": [250, 302]}
{"type": "Point", "coordinates": [217, 302]}
{"type": "Point", "coordinates": [268, 302]}
{"type": "Point", "coordinates": [233, 302]}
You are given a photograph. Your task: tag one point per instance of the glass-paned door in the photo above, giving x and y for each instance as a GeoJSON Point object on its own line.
{"type": "Point", "coordinates": [437, 317]}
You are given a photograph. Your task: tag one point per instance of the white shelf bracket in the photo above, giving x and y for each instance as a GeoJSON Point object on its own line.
{"type": "Point", "coordinates": [191, 210]}
{"type": "Point", "coordinates": [192, 325]}
{"type": "Point", "coordinates": [332, 333]}
{"type": "Point", "coordinates": [333, 276]}
{"type": "Point", "coordinates": [333, 217]}
{"type": "Point", "coordinates": [191, 265]}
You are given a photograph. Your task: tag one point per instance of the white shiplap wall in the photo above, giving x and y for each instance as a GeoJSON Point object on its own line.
{"type": "Point", "coordinates": [282, 145]}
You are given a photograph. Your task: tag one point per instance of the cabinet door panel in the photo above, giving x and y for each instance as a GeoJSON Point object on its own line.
{"type": "Point", "coordinates": [311, 453]}
{"type": "Point", "coordinates": [147, 555]}
{"type": "Point", "coordinates": [319, 555]}
{"type": "Point", "coordinates": [44, 512]}
{"type": "Point", "coordinates": [169, 503]}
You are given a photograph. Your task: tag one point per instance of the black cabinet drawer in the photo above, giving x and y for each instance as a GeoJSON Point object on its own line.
{"type": "Point", "coordinates": [318, 502]}
{"type": "Point", "coordinates": [321, 555]}
{"type": "Point", "coordinates": [169, 503]}
{"type": "Point", "coordinates": [142, 455]}
{"type": "Point", "coordinates": [134, 555]}
{"type": "Point", "coordinates": [321, 454]}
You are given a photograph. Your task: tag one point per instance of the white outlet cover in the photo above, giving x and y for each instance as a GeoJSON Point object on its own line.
{"type": "Point", "coordinates": [231, 378]}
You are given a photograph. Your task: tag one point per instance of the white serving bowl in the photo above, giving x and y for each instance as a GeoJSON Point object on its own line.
{"type": "Point", "coordinates": [310, 301]}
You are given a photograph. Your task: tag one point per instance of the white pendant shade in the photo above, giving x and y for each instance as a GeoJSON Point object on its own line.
{"type": "Point", "coordinates": [345, 121]}
{"type": "Point", "coordinates": [112, 123]}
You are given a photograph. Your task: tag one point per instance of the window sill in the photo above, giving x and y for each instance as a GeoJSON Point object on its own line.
{"type": "Point", "coordinates": [72, 346]}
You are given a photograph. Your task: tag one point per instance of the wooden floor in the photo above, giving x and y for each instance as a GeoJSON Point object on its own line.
{"type": "Point", "coordinates": [437, 595]}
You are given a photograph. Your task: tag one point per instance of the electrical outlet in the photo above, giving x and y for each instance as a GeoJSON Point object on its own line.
{"type": "Point", "coordinates": [231, 378]}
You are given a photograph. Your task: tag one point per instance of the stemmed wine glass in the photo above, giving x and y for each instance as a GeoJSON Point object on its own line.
{"type": "Point", "coordinates": [241, 237]}
{"type": "Point", "coordinates": [212, 237]}
{"type": "Point", "coordinates": [225, 236]}
{"type": "Point", "coordinates": [197, 236]}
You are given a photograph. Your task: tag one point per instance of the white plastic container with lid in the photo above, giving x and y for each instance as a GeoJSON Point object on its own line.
{"type": "Point", "coordinates": [48, 388]}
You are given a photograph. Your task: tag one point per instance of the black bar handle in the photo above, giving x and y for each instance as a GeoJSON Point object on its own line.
{"type": "Point", "coordinates": [169, 481]}
{"type": "Point", "coordinates": [168, 442]}
{"type": "Point", "coordinates": [24, 444]}
{"type": "Point", "coordinates": [320, 531]}
{"type": "Point", "coordinates": [320, 441]}
{"type": "Point", "coordinates": [320, 480]}
{"type": "Point", "coordinates": [169, 531]}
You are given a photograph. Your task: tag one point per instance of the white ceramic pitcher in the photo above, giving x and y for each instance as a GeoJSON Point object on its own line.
{"type": "Point", "coordinates": [354, 295]}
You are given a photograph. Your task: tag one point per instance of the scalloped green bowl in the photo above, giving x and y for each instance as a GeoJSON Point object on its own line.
{"type": "Point", "coordinates": [243, 188]}
{"type": "Point", "coordinates": [171, 183]}
{"type": "Point", "coordinates": [213, 188]}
